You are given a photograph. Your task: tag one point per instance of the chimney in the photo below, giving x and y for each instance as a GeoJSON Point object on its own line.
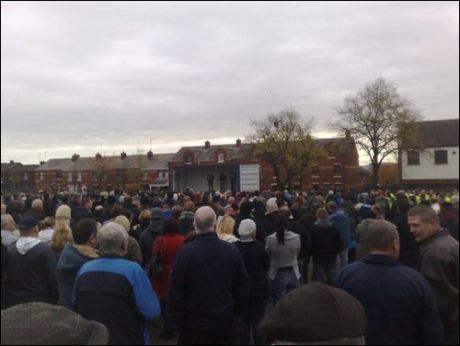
{"type": "Point", "coordinates": [75, 157]}
{"type": "Point", "coordinates": [347, 134]}
{"type": "Point", "coordinates": [238, 142]}
{"type": "Point", "coordinates": [150, 155]}
{"type": "Point", "coordinates": [42, 163]}
{"type": "Point", "coordinates": [98, 157]}
{"type": "Point", "coordinates": [123, 155]}
{"type": "Point", "coordinates": [207, 145]}
{"type": "Point", "coordinates": [11, 162]}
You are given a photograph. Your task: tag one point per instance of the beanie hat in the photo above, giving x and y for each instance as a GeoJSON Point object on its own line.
{"type": "Point", "coordinates": [315, 312]}
{"type": "Point", "coordinates": [247, 228]}
{"type": "Point", "coordinates": [45, 324]}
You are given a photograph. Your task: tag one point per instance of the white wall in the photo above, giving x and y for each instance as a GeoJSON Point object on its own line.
{"type": "Point", "coordinates": [427, 169]}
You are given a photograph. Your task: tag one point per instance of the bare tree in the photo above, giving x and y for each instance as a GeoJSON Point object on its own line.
{"type": "Point", "coordinates": [380, 121]}
{"type": "Point", "coordinates": [283, 140]}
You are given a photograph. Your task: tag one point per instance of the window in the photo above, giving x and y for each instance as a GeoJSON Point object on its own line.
{"type": "Point", "coordinates": [315, 171]}
{"type": "Point", "coordinates": [413, 158]}
{"type": "Point", "coordinates": [145, 176]}
{"type": "Point", "coordinates": [25, 176]}
{"type": "Point", "coordinates": [79, 176]}
{"type": "Point", "coordinates": [220, 158]}
{"type": "Point", "coordinates": [440, 157]}
{"type": "Point", "coordinates": [69, 176]}
{"type": "Point", "coordinates": [188, 158]}
{"type": "Point", "coordinates": [338, 169]}
{"type": "Point", "coordinates": [41, 176]}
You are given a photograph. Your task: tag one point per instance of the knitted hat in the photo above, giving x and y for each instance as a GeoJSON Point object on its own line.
{"type": "Point", "coordinates": [45, 324]}
{"type": "Point", "coordinates": [247, 228]}
{"type": "Point", "coordinates": [315, 312]}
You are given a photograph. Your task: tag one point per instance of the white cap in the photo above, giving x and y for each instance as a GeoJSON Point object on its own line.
{"type": "Point", "coordinates": [247, 228]}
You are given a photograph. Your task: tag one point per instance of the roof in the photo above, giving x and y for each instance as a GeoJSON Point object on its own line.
{"type": "Point", "coordinates": [233, 152]}
{"type": "Point", "coordinates": [158, 161]}
{"type": "Point", "coordinates": [438, 133]}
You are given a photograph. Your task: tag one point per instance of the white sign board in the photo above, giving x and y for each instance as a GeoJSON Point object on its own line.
{"type": "Point", "coordinates": [249, 178]}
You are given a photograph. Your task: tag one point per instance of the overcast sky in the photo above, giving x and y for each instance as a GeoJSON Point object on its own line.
{"type": "Point", "coordinates": [78, 76]}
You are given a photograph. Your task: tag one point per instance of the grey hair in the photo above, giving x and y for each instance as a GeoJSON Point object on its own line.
{"type": "Point", "coordinates": [205, 219]}
{"type": "Point", "coordinates": [6, 218]}
{"type": "Point", "coordinates": [381, 234]}
{"type": "Point", "coordinates": [111, 238]}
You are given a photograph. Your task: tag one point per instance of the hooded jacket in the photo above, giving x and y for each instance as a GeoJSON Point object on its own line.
{"type": "Point", "coordinates": [31, 271]}
{"type": "Point", "coordinates": [326, 242]}
{"type": "Point", "coordinates": [70, 262]}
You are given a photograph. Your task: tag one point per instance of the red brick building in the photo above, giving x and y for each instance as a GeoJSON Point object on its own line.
{"type": "Point", "coordinates": [98, 173]}
{"type": "Point", "coordinates": [18, 177]}
{"type": "Point", "coordinates": [191, 166]}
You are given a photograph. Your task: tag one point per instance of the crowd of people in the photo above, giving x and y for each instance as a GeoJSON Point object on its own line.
{"type": "Point", "coordinates": [376, 267]}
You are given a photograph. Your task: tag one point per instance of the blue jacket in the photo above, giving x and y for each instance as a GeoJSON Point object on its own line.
{"type": "Point", "coordinates": [209, 284]}
{"type": "Point", "coordinates": [70, 262]}
{"type": "Point", "coordinates": [117, 293]}
{"type": "Point", "coordinates": [342, 222]}
{"type": "Point", "coordinates": [399, 303]}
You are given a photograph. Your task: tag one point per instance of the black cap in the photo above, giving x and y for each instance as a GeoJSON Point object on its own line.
{"type": "Point", "coordinates": [27, 222]}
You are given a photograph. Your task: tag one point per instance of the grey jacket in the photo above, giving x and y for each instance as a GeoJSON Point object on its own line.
{"type": "Point", "coordinates": [283, 255]}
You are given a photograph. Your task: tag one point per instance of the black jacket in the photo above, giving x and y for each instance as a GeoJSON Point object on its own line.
{"type": "Point", "coordinates": [409, 249]}
{"type": "Point", "coordinates": [326, 242]}
{"type": "Point", "coordinates": [209, 284]}
{"type": "Point", "coordinates": [32, 276]}
{"type": "Point", "coordinates": [257, 264]}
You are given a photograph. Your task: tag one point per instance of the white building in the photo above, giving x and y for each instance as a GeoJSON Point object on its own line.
{"type": "Point", "coordinates": [436, 164]}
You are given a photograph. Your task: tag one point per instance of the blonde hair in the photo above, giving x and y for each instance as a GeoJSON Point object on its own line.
{"type": "Point", "coordinates": [48, 222]}
{"type": "Point", "coordinates": [123, 221]}
{"type": "Point", "coordinates": [225, 226]}
{"type": "Point", "coordinates": [3, 209]}
{"type": "Point", "coordinates": [61, 236]}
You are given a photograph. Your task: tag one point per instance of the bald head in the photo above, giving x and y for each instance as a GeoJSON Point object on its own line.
{"type": "Point", "coordinates": [205, 220]}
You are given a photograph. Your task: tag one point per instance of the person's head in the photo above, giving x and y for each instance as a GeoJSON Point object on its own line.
{"type": "Point", "coordinates": [331, 206]}
{"type": "Point", "coordinates": [402, 205]}
{"type": "Point", "coordinates": [28, 226]}
{"type": "Point", "coordinates": [189, 206]}
{"type": "Point", "coordinates": [87, 202]}
{"type": "Point", "coordinates": [37, 205]}
{"type": "Point", "coordinates": [113, 240]}
{"type": "Point", "coordinates": [63, 213]}
{"type": "Point", "coordinates": [247, 229]}
{"type": "Point", "coordinates": [39, 323]}
{"type": "Point", "coordinates": [383, 238]}
{"type": "Point", "coordinates": [123, 221]}
{"type": "Point", "coordinates": [271, 206]}
{"type": "Point", "coordinates": [316, 314]}
{"type": "Point", "coordinates": [225, 225]}
{"type": "Point", "coordinates": [205, 219]}
{"type": "Point", "coordinates": [145, 217]}
{"type": "Point", "coordinates": [3, 208]}
{"type": "Point", "coordinates": [322, 214]}
{"type": "Point", "coordinates": [84, 232]}
{"type": "Point", "coordinates": [170, 226]}
{"type": "Point", "coordinates": [281, 225]}
{"type": "Point", "coordinates": [8, 223]}
{"type": "Point", "coordinates": [117, 210]}
{"type": "Point", "coordinates": [176, 211]}
{"type": "Point", "coordinates": [61, 236]}
{"type": "Point", "coordinates": [423, 222]}
{"type": "Point", "coordinates": [48, 222]}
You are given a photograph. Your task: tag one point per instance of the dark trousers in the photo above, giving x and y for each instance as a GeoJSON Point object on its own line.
{"type": "Point", "coordinates": [210, 336]}
{"type": "Point", "coordinates": [166, 320]}
{"type": "Point", "coordinates": [249, 321]}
